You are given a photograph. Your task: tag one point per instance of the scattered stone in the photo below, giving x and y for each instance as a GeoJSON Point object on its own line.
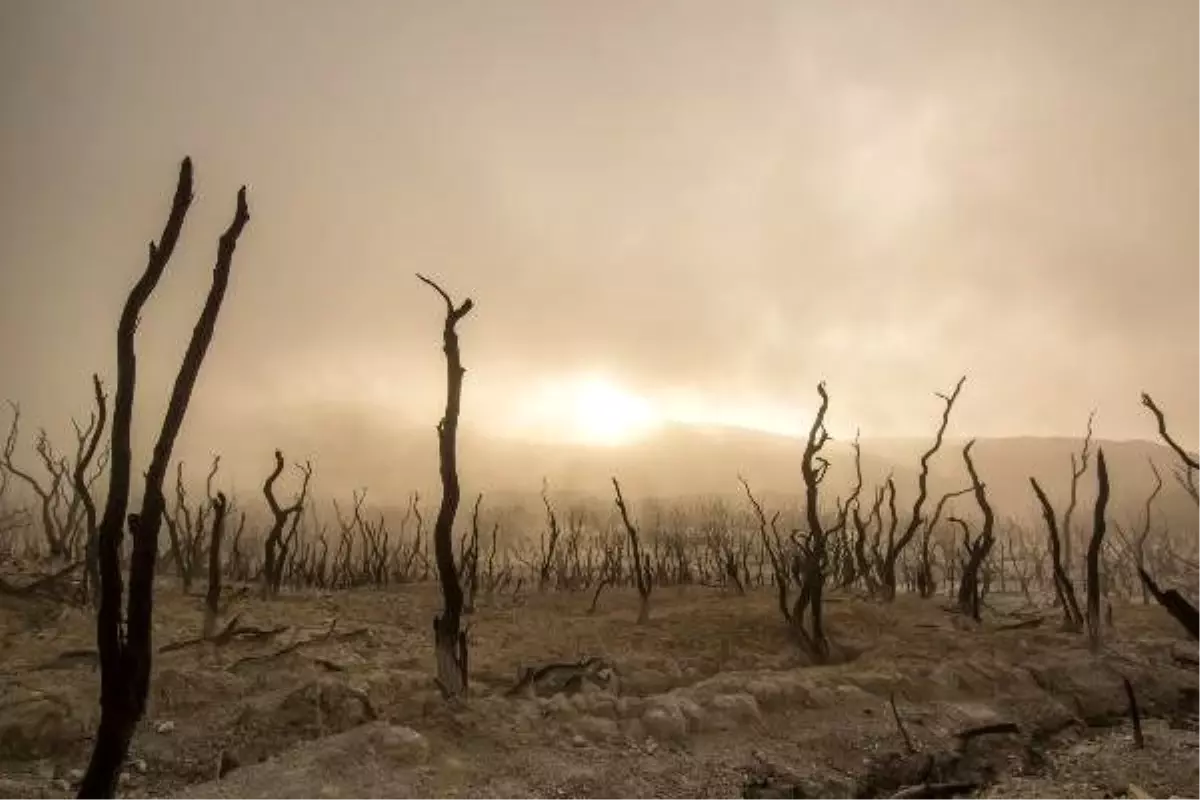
{"type": "Point", "coordinates": [665, 722]}
{"type": "Point", "coordinates": [139, 766]}
{"type": "Point", "coordinates": [400, 744]}
{"type": "Point", "coordinates": [75, 776]}
{"type": "Point", "coordinates": [164, 727]}
{"type": "Point", "coordinates": [738, 707]}
{"type": "Point", "coordinates": [578, 741]}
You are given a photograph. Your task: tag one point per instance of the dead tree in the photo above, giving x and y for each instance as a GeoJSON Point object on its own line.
{"type": "Point", "coordinates": [810, 571]}
{"type": "Point", "coordinates": [853, 550]}
{"type": "Point", "coordinates": [548, 544]}
{"type": "Point", "coordinates": [1078, 468]}
{"type": "Point", "coordinates": [865, 568]}
{"type": "Point", "coordinates": [1064, 589]}
{"type": "Point", "coordinates": [1187, 475]}
{"type": "Point", "coordinates": [642, 571]}
{"type": "Point", "coordinates": [1139, 541]}
{"type": "Point", "coordinates": [450, 643]}
{"type": "Point", "coordinates": [773, 549]}
{"type": "Point", "coordinates": [1094, 622]}
{"type": "Point", "coordinates": [610, 568]}
{"type": "Point", "coordinates": [62, 507]}
{"type": "Point", "coordinates": [185, 531]}
{"type": "Point", "coordinates": [125, 649]}
{"type": "Point", "coordinates": [926, 586]}
{"type": "Point", "coordinates": [895, 547]}
{"type": "Point", "coordinates": [212, 598]}
{"type": "Point", "coordinates": [11, 519]}
{"type": "Point", "coordinates": [1176, 604]}
{"type": "Point", "coordinates": [977, 551]}
{"type": "Point", "coordinates": [468, 564]}
{"type": "Point", "coordinates": [91, 584]}
{"type": "Point", "coordinates": [276, 547]}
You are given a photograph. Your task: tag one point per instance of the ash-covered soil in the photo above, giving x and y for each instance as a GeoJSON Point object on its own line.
{"type": "Point", "coordinates": [332, 696]}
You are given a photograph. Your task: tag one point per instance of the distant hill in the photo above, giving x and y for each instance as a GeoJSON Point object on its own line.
{"type": "Point", "coordinates": [354, 450]}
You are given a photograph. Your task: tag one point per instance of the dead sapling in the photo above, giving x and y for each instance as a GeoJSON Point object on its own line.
{"type": "Point", "coordinates": [449, 640]}
{"type": "Point", "coordinates": [275, 548]}
{"type": "Point", "coordinates": [774, 549]}
{"type": "Point", "coordinates": [1064, 589]}
{"type": "Point", "coordinates": [1079, 465]}
{"type": "Point", "coordinates": [212, 598]}
{"type": "Point", "coordinates": [83, 490]}
{"type": "Point", "coordinates": [969, 596]}
{"type": "Point", "coordinates": [642, 570]}
{"type": "Point", "coordinates": [610, 570]}
{"type": "Point", "coordinates": [926, 584]}
{"type": "Point", "coordinates": [468, 562]}
{"type": "Point", "coordinates": [186, 531]}
{"type": "Point", "coordinates": [1139, 541]}
{"type": "Point", "coordinates": [1094, 623]}
{"type": "Point", "coordinates": [549, 540]}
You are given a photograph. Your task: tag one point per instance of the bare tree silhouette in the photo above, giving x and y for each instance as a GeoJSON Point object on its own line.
{"type": "Point", "coordinates": [125, 651]}
{"type": "Point", "coordinates": [450, 643]}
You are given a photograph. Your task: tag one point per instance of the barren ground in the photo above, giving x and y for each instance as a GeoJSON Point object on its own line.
{"type": "Point", "coordinates": [712, 700]}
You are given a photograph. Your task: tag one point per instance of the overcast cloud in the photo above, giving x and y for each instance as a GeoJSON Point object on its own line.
{"type": "Point", "coordinates": [723, 200]}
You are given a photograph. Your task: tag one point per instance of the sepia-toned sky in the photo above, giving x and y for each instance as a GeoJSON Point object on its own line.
{"type": "Point", "coordinates": [702, 207]}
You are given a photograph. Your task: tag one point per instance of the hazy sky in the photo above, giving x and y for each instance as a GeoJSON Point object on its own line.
{"type": "Point", "coordinates": [703, 207]}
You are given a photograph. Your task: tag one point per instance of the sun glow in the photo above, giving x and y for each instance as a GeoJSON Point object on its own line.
{"type": "Point", "coordinates": [606, 414]}
{"type": "Point", "coordinates": [593, 408]}
{"type": "Point", "coordinates": [590, 409]}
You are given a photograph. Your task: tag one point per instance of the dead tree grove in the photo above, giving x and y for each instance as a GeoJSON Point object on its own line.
{"type": "Point", "coordinates": [449, 641]}
{"type": "Point", "coordinates": [125, 648]}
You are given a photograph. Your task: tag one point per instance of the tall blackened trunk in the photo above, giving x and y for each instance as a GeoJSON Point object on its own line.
{"type": "Point", "coordinates": [450, 642]}
{"type": "Point", "coordinates": [125, 654]}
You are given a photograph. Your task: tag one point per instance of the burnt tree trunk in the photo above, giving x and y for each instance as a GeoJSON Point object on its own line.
{"type": "Point", "coordinates": [1094, 623]}
{"type": "Point", "coordinates": [642, 572]}
{"type": "Point", "coordinates": [449, 641]}
{"type": "Point", "coordinates": [125, 654]}
{"type": "Point", "coordinates": [1176, 605]}
{"type": "Point", "coordinates": [272, 558]}
{"type": "Point", "coordinates": [1064, 590]}
{"type": "Point", "coordinates": [968, 591]}
{"type": "Point", "coordinates": [811, 574]}
{"type": "Point", "coordinates": [212, 599]}
{"type": "Point", "coordinates": [91, 545]}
